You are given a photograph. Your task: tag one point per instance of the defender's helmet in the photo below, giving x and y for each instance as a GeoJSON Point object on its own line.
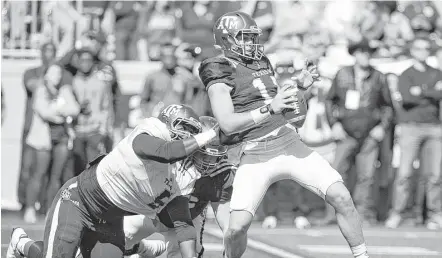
{"type": "Point", "coordinates": [232, 29]}
{"type": "Point", "coordinates": [205, 159]}
{"type": "Point", "coordinates": [181, 120]}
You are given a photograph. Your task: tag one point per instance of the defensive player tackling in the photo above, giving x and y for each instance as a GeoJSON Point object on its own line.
{"type": "Point", "coordinates": [139, 176]}
{"type": "Point", "coordinates": [214, 187]}
{"type": "Point", "coordinates": [251, 108]}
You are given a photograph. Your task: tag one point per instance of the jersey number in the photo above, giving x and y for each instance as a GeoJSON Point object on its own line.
{"type": "Point", "coordinates": [259, 84]}
{"type": "Point", "coordinates": [159, 201]}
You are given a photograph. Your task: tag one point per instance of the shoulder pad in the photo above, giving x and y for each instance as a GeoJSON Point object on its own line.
{"type": "Point", "coordinates": [153, 126]}
{"type": "Point", "coordinates": [216, 70]}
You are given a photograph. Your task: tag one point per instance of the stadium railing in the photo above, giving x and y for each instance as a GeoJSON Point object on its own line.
{"type": "Point", "coordinates": [22, 28]}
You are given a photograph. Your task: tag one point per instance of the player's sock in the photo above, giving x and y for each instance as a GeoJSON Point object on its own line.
{"type": "Point", "coordinates": [360, 251]}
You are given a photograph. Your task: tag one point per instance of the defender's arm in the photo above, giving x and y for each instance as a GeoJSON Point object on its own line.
{"type": "Point", "coordinates": [154, 148]}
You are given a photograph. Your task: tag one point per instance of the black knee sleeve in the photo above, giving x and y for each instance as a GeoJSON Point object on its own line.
{"type": "Point", "coordinates": [36, 250]}
{"type": "Point", "coordinates": [133, 250]}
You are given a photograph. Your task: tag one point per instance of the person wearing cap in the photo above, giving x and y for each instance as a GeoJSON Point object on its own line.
{"type": "Point", "coordinates": [359, 110]}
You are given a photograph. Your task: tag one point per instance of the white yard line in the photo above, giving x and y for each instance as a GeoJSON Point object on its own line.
{"type": "Point", "coordinates": [335, 232]}
{"type": "Point", "coordinates": [373, 250]}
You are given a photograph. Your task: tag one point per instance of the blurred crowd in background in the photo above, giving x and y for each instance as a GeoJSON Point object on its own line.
{"type": "Point", "coordinates": [73, 98]}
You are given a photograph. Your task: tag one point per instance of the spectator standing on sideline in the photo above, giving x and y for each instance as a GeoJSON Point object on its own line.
{"type": "Point", "coordinates": [95, 42]}
{"type": "Point", "coordinates": [31, 79]}
{"type": "Point", "coordinates": [54, 102]}
{"type": "Point", "coordinates": [421, 135]}
{"type": "Point", "coordinates": [359, 109]}
{"type": "Point", "coordinates": [95, 98]}
{"type": "Point", "coordinates": [163, 87]}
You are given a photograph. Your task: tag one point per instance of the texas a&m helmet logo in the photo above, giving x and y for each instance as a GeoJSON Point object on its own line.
{"type": "Point", "coordinates": [171, 110]}
{"type": "Point", "coordinates": [228, 23]}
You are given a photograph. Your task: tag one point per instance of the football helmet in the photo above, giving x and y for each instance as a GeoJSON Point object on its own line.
{"type": "Point", "coordinates": [232, 30]}
{"type": "Point", "coordinates": [205, 159]}
{"type": "Point", "coordinates": [181, 120]}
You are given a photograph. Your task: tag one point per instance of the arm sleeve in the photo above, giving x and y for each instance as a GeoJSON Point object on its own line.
{"type": "Point", "coordinates": [154, 148]}
{"type": "Point", "coordinates": [179, 212]}
{"type": "Point", "coordinates": [216, 70]}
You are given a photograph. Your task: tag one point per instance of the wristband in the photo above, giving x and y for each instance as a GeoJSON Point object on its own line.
{"type": "Point", "coordinates": [204, 138]}
{"type": "Point", "coordinates": [260, 114]}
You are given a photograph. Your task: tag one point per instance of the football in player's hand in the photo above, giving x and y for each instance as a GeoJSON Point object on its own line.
{"type": "Point", "coordinates": [296, 115]}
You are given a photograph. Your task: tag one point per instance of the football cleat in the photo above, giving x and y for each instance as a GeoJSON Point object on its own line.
{"type": "Point", "coordinates": [13, 251]}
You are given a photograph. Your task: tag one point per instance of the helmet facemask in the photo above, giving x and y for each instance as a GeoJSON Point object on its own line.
{"type": "Point", "coordinates": [207, 158]}
{"type": "Point", "coordinates": [252, 50]}
{"type": "Point", "coordinates": [183, 128]}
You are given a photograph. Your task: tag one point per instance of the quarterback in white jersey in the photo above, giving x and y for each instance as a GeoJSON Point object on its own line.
{"type": "Point", "coordinates": [137, 177]}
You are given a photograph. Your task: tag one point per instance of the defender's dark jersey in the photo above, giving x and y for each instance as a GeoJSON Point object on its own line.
{"type": "Point", "coordinates": [253, 86]}
{"type": "Point", "coordinates": [207, 189]}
